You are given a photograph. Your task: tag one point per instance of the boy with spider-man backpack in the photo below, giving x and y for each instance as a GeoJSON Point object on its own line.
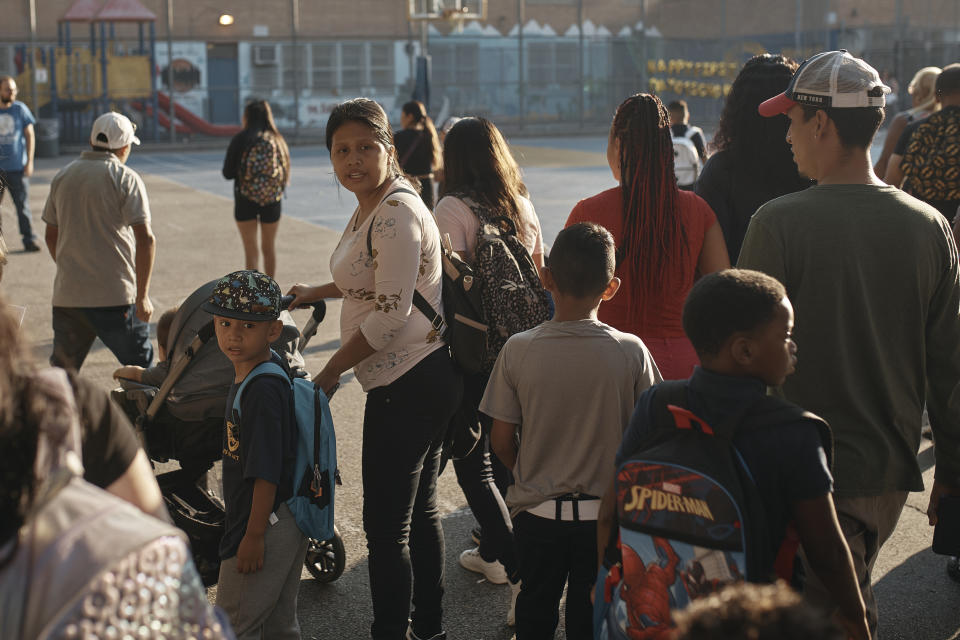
{"type": "Point", "coordinates": [713, 473]}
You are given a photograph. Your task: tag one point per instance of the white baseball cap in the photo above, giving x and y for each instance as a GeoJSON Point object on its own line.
{"type": "Point", "coordinates": [113, 131]}
{"type": "Point", "coordinates": [830, 79]}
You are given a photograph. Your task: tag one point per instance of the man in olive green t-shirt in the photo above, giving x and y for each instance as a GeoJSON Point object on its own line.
{"type": "Point", "coordinates": [873, 276]}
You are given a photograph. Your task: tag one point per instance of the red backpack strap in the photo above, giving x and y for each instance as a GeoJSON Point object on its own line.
{"type": "Point", "coordinates": [787, 554]}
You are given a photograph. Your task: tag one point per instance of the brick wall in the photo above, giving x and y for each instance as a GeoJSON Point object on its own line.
{"type": "Point", "coordinates": [197, 19]}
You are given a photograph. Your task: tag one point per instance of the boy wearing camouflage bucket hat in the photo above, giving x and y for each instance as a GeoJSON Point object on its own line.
{"type": "Point", "coordinates": [262, 549]}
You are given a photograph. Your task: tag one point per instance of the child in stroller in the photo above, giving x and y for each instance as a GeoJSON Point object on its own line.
{"type": "Point", "coordinates": [177, 407]}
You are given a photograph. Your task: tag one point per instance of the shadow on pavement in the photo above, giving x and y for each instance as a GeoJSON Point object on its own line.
{"type": "Point", "coordinates": [918, 601]}
{"type": "Point", "coordinates": [473, 608]}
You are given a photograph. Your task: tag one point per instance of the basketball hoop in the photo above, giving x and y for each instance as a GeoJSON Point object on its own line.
{"type": "Point", "coordinates": [455, 18]}
{"type": "Point", "coordinates": [452, 11]}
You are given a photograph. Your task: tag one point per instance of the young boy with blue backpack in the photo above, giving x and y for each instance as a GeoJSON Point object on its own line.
{"type": "Point", "coordinates": [263, 548]}
{"type": "Point", "coordinates": [715, 479]}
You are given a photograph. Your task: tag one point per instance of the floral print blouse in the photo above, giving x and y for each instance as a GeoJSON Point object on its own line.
{"type": "Point", "coordinates": [378, 289]}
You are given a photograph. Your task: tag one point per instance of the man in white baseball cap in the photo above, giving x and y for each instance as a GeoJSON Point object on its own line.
{"type": "Point", "coordinates": [98, 233]}
{"type": "Point", "coordinates": [112, 131]}
{"type": "Point", "coordinates": [872, 273]}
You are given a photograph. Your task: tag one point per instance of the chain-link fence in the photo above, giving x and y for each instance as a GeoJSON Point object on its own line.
{"type": "Point", "coordinates": [536, 82]}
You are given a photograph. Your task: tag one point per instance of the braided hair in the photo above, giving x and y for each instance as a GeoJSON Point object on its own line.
{"type": "Point", "coordinates": [653, 234]}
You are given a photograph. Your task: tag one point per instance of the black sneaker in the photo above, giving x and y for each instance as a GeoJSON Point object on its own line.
{"type": "Point", "coordinates": [475, 534]}
{"type": "Point", "coordinates": [31, 248]}
{"type": "Point", "coordinates": [412, 636]}
{"type": "Point", "coordinates": [953, 568]}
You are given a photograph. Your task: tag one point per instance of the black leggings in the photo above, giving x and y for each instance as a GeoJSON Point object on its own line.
{"type": "Point", "coordinates": [484, 481]}
{"type": "Point", "coordinates": [404, 424]}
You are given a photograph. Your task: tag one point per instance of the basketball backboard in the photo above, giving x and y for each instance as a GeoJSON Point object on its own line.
{"type": "Point", "coordinates": [447, 9]}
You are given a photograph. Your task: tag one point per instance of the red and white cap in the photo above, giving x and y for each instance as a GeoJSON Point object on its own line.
{"type": "Point", "coordinates": [831, 79]}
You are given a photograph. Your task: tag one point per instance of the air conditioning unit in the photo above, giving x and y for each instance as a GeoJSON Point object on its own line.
{"type": "Point", "coordinates": [265, 55]}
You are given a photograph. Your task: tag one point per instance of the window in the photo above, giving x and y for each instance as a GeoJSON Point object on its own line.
{"type": "Point", "coordinates": [455, 64]}
{"type": "Point", "coordinates": [381, 65]}
{"type": "Point", "coordinates": [324, 66]}
{"type": "Point", "coordinates": [540, 67]}
{"type": "Point", "coordinates": [294, 60]}
{"type": "Point", "coordinates": [352, 66]}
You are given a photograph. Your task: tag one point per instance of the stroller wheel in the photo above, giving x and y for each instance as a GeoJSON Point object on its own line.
{"type": "Point", "coordinates": [326, 559]}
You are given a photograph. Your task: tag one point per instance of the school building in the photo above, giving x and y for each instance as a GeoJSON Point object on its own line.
{"type": "Point", "coordinates": [537, 65]}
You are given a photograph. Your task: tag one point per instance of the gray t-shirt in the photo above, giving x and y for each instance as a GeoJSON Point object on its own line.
{"type": "Point", "coordinates": [571, 386]}
{"type": "Point", "coordinates": [93, 202]}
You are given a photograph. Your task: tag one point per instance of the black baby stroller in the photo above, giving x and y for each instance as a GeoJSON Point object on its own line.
{"type": "Point", "coordinates": [181, 418]}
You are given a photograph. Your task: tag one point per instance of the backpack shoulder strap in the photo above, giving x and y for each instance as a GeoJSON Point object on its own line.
{"type": "Point", "coordinates": [268, 368]}
{"type": "Point", "coordinates": [418, 300]}
{"type": "Point", "coordinates": [667, 393]}
{"type": "Point", "coordinates": [772, 411]}
{"type": "Point", "coordinates": [370, 228]}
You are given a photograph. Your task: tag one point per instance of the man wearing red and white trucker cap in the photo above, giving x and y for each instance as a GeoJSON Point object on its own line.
{"type": "Point", "coordinates": [872, 274]}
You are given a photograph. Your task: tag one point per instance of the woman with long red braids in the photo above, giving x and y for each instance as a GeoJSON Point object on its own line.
{"type": "Point", "coordinates": [666, 238]}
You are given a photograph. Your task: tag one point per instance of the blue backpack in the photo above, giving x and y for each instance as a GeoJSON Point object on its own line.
{"type": "Point", "coordinates": [315, 471]}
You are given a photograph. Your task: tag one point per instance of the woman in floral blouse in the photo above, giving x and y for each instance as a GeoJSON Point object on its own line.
{"type": "Point", "coordinates": [390, 248]}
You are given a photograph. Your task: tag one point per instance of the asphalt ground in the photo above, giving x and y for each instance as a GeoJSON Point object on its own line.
{"type": "Point", "coordinates": [197, 242]}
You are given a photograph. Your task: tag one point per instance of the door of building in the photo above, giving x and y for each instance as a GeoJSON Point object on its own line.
{"type": "Point", "coordinates": [223, 80]}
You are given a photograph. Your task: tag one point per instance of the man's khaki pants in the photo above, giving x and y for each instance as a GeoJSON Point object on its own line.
{"type": "Point", "coordinates": [866, 524]}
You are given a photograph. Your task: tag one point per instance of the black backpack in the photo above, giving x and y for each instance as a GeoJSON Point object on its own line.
{"type": "Point", "coordinates": [462, 326]}
{"type": "Point", "coordinates": [690, 517]}
{"type": "Point", "coordinates": [512, 298]}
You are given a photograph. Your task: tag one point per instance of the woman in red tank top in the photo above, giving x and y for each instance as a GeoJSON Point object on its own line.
{"type": "Point", "coordinates": [666, 238]}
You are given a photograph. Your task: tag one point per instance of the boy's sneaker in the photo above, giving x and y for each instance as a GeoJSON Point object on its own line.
{"type": "Point", "coordinates": [493, 571]}
{"type": "Point", "coordinates": [512, 613]}
{"type": "Point", "coordinates": [412, 636]}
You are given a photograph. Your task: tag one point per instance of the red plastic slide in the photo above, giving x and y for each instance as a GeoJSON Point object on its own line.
{"type": "Point", "coordinates": [195, 122]}
{"type": "Point", "coordinates": [162, 117]}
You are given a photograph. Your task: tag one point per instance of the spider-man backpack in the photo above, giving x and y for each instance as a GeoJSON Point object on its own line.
{"type": "Point", "coordinates": [690, 517]}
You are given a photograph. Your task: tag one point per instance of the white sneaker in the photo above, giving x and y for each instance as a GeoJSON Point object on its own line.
{"type": "Point", "coordinates": [512, 613]}
{"type": "Point", "coordinates": [493, 571]}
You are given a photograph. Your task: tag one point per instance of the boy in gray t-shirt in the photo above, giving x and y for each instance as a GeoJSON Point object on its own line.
{"type": "Point", "coordinates": [569, 386]}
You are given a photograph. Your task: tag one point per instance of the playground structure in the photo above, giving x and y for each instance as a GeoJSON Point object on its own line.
{"type": "Point", "coordinates": [77, 80]}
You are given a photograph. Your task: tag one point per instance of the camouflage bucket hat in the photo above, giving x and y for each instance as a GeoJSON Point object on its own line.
{"type": "Point", "coordinates": [245, 295]}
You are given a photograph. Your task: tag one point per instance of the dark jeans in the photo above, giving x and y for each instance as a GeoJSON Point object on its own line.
{"type": "Point", "coordinates": [553, 553]}
{"type": "Point", "coordinates": [75, 328]}
{"type": "Point", "coordinates": [484, 481]}
{"type": "Point", "coordinates": [19, 188]}
{"type": "Point", "coordinates": [404, 424]}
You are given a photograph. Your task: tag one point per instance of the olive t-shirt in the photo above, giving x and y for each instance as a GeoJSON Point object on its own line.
{"type": "Point", "coordinates": [872, 275]}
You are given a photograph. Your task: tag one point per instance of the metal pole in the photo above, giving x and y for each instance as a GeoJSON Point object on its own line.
{"type": "Point", "coordinates": [173, 117]}
{"type": "Point", "coordinates": [898, 62]}
{"type": "Point", "coordinates": [521, 89]}
{"type": "Point", "coordinates": [295, 28]}
{"type": "Point", "coordinates": [580, 73]}
{"type": "Point", "coordinates": [797, 35]}
{"type": "Point", "coordinates": [33, 56]}
{"type": "Point", "coordinates": [644, 82]}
